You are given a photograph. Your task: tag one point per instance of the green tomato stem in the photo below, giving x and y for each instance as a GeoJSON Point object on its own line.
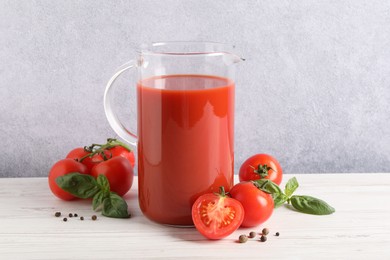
{"type": "Point", "coordinates": [111, 143]}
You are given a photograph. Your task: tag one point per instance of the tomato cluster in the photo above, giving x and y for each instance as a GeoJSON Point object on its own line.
{"type": "Point", "coordinates": [217, 215]}
{"type": "Point", "coordinates": [113, 159]}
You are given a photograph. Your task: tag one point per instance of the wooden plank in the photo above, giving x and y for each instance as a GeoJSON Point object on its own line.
{"type": "Point", "coordinates": [360, 228]}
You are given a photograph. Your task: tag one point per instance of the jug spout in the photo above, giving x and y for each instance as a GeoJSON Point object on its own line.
{"type": "Point", "coordinates": [236, 58]}
{"type": "Point", "coordinates": [231, 58]}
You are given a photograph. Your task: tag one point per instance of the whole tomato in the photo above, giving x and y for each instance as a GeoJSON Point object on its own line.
{"type": "Point", "coordinates": [120, 151]}
{"type": "Point", "coordinates": [80, 152]}
{"type": "Point", "coordinates": [119, 173]}
{"type": "Point", "coordinates": [60, 168]}
{"type": "Point", "coordinates": [258, 205]}
{"type": "Point", "coordinates": [261, 166]}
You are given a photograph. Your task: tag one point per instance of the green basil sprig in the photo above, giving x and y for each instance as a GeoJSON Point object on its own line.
{"type": "Point", "coordinates": [85, 186]}
{"type": "Point", "coordinates": [272, 188]}
{"type": "Point", "coordinates": [302, 203]}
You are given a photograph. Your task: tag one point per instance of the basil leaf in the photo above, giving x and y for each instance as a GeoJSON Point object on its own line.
{"type": "Point", "coordinates": [268, 186]}
{"type": "Point", "coordinates": [97, 201]}
{"type": "Point", "coordinates": [103, 183]}
{"type": "Point", "coordinates": [80, 185]}
{"type": "Point", "coordinates": [280, 200]}
{"type": "Point", "coordinates": [115, 206]}
{"type": "Point", "coordinates": [291, 186]}
{"type": "Point", "coordinates": [311, 205]}
{"type": "Point", "coordinates": [272, 188]}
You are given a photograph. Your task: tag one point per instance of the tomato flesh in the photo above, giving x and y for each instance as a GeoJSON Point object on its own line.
{"type": "Point", "coordinates": [216, 216]}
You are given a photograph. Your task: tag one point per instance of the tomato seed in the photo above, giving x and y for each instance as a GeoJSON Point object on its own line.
{"type": "Point", "coordinates": [94, 217]}
{"type": "Point", "coordinates": [263, 238]}
{"type": "Point", "coordinates": [57, 214]}
{"type": "Point", "coordinates": [252, 234]}
{"type": "Point", "coordinates": [65, 219]}
{"type": "Point", "coordinates": [265, 231]}
{"type": "Point", "coordinates": [70, 215]}
{"type": "Point", "coordinates": [243, 239]}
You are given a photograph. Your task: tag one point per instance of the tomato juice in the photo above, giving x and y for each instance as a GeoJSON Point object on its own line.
{"type": "Point", "coordinates": [185, 143]}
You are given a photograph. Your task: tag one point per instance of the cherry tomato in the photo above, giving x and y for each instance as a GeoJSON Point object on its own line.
{"type": "Point", "coordinates": [261, 166]}
{"type": "Point", "coordinates": [61, 168]}
{"type": "Point", "coordinates": [121, 151]}
{"type": "Point", "coordinates": [217, 216]}
{"type": "Point", "coordinates": [258, 205]}
{"type": "Point", "coordinates": [119, 173]}
{"type": "Point", "coordinates": [90, 162]}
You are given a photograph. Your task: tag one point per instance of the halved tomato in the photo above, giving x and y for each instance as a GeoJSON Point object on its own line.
{"type": "Point", "coordinates": [216, 216]}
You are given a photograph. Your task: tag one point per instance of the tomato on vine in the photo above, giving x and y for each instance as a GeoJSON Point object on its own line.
{"type": "Point", "coordinates": [114, 159]}
{"type": "Point", "coordinates": [61, 168]}
{"type": "Point", "coordinates": [94, 154]}
{"type": "Point", "coordinates": [123, 151]}
{"type": "Point", "coordinates": [80, 154]}
{"type": "Point", "coordinates": [119, 174]}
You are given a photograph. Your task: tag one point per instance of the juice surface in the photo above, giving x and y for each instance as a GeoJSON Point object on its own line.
{"type": "Point", "coordinates": [186, 143]}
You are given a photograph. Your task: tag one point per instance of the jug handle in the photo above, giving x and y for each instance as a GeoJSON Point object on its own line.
{"type": "Point", "coordinates": [112, 118]}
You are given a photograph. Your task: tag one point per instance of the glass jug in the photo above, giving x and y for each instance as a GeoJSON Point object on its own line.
{"type": "Point", "coordinates": [185, 125]}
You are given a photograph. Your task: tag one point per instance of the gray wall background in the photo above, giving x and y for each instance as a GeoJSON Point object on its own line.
{"type": "Point", "coordinates": [313, 92]}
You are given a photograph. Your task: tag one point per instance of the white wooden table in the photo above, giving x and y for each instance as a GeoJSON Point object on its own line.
{"type": "Point", "coordinates": [359, 229]}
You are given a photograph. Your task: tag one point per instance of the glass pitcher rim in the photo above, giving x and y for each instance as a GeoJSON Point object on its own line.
{"type": "Point", "coordinates": [211, 48]}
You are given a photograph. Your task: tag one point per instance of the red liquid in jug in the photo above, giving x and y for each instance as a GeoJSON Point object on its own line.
{"type": "Point", "coordinates": [186, 144]}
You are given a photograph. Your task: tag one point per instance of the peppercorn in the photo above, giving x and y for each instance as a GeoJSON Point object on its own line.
{"type": "Point", "coordinates": [81, 218]}
{"type": "Point", "coordinates": [75, 215]}
{"type": "Point", "coordinates": [263, 238]}
{"type": "Point", "coordinates": [243, 239]}
{"type": "Point", "coordinates": [94, 217]}
{"type": "Point", "coordinates": [265, 231]}
{"type": "Point", "coordinates": [277, 234]}
{"type": "Point", "coordinates": [70, 215]}
{"type": "Point", "coordinates": [252, 234]}
{"type": "Point", "coordinates": [65, 219]}
{"type": "Point", "coordinates": [57, 214]}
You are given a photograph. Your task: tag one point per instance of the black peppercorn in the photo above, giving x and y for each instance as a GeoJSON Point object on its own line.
{"type": "Point", "coordinates": [243, 239]}
{"type": "Point", "coordinates": [65, 219]}
{"type": "Point", "coordinates": [94, 217]}
{"type": "Point", "coordinates": [277, 234]}
{"type": "Point", "coordinates": [252, 234]}
{"type": "Point", "coordinates": [70, 215]}
{"type": "Point", "coordinates": [265, 231]}
{"type": "Point", "coordinates": [75, 215]}
{"type": "Point", "coordinates": [263, 238]}
{"type": "Point", "coordinates": [81, 218]}
{"type": "Point", "coordinates": [57, 214]}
